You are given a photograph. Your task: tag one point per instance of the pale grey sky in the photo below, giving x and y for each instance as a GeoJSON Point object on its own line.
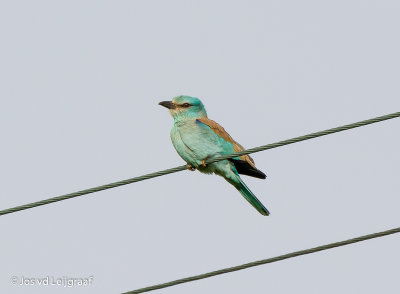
{"type": "Point", "coordinates": [80, 83]}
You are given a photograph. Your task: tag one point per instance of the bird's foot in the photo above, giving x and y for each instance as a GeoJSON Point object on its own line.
{"type": "Point", "coordinates": [203, 163]}
{"type": "Point", "coordinates": [190, 167]}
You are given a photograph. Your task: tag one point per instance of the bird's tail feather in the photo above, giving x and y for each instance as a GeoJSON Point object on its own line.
{"type": "Point", "coordinates": [249, 196]}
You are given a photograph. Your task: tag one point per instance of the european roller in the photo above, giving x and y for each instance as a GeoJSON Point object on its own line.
{"type": "Point", "coordinates": [197, 138]}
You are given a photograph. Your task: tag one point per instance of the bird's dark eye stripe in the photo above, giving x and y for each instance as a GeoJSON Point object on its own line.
{"type": "Point", "coordinates": [185, 104]}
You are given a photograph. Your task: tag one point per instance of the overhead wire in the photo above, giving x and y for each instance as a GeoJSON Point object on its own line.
{"type": "Point", "coordinates": [183, 167]}
{"type": "Point", "coordinates": [265, 261]}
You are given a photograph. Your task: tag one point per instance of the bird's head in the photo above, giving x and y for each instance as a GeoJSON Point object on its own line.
{"type": "Point", "coordinates": [182, 107]}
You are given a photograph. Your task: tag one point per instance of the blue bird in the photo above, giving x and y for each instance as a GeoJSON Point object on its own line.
{"type": "Point", "coordinates": [197, 138]}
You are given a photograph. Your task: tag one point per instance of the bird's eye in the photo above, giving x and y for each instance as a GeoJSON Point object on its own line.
{"type": "Point", "coordinates": [186, 105]}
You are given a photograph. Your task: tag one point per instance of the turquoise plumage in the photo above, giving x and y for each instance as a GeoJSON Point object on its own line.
{"type": "Point", "coordinates": [197, 138]}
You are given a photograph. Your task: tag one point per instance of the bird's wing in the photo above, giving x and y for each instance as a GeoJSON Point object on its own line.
{"type": "Point", "coordinates": [220, 131]}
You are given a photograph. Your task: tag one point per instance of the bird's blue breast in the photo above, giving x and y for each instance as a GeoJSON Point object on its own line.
{"type": "Point", "coordinates": [195, 141]}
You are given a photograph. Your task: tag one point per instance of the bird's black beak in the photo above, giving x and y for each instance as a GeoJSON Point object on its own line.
{"type": "Point", "coordinates": [167, 104]}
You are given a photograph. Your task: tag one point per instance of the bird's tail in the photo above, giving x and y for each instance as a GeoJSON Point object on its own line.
{"type": "Point", "coordinates": [250, 197]}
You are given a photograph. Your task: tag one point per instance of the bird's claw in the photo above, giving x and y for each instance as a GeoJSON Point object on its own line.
{"type": "Point", "coordinates": [190, 167]}
{"type": "Point", "coordinates": [203, 163]}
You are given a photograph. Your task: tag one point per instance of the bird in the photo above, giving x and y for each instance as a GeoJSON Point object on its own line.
{"type": "Point", "coordinates": [197, 139]}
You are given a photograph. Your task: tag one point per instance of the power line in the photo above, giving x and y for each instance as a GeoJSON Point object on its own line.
{"type": "Point", "coordinates": [183, 167]}
{"type": "Point", "coordinates": [92, 190]}
{"type": "Point", "coordinates": [307, 137]}
{"type": "Point", "coordinates": [265, 261]}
